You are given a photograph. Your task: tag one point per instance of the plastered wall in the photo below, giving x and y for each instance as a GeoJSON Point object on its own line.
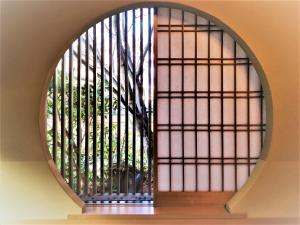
{"type": "Point", "coordinates": [35, 33]}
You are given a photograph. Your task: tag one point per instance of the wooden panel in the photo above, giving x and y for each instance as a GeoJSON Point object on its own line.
{"type": "Point", "coordinates": [145, 211]}
{"type": "Point", "coordinates": [191, 198]}
{"type": "Point", "coordinates": [139, 220]}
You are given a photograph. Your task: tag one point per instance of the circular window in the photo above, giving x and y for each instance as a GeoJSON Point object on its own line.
{"type": "Point", "coordinates": [154, 94]}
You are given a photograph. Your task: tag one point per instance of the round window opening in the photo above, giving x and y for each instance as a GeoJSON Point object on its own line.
{"type": "Point", "coordinates": [154, 94]}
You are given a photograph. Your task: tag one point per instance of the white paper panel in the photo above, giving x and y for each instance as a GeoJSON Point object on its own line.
{"type": "Point", "coordinates": [242, 174]}
{"type": "Point", "coordinates": [176, 144]}
{"type": "Point", "coordinates": [240, 52]}
{"type": "Point", "coordinates": [162, 78]}
{"type": "Point", "coordinates": [163, 144]}
{"type": "Point", "coordinates": [189, 45]}
{"type": "Point", "coordinates": [254, 110]}
{"type": "Point", "coordinates": [176, 75]}
{"type": "Point", "coordinates": [255, 144]}
{"type": "Point", "coordinates": [176, 16]}
{"type": "Point", "coordinates": [215, 78]}
{"type": "Point", "coordinates": [163, 177]}
{"type": "Point", "coordinates": [241, 139]}
{"type": "Point", "coordinates": [202, 178]}
{"type": "Point", "coordinates": [215, 144]}
{"type": "Point", "coordinates": [163, 45]}
{"type": "Point", "coordinates": [228, 144]}
{"type": "Point", "coordinates": [163, 15]}
{"type": "Point", "coordinates": [216, 178]}
{"type": "Point", "coordinates": [254, 80]}
{"type": "Point", "coordinates": [228, 46]}
{"type": "Point", "coordinates": [162, 111]}
{"type": "Point", "coordinates": [201, 20]}
{"type": "Point", "coordinates": [241, 78]}
{"type": "Point", "coordinates": [189, 144]}
{"type": "Point", "coordinates": [228, 110]}
{"type": "Point", "coordinates": [215, 111]}
{"type": "Point", "coordinates": [215, 44]}
{"type": "Point", "coordinates": [202, 107]}
{"type": "Point", "coordinates": [202, 144]}
{"type": "Point", "coordinates": [189, 177]}
{"type": "Point", "coordinates": [176, 111]}
{"type": "Point", "coordinates": [189, 78]}
{"type": "Point", "coordinates": [241, 111]}
{"type": "Point", "coordinates": [202, 45]}
{"type": "Point", "coordinates": [202, 78]}
{"type": "Point", "coordinates": [176, 45]}
{"type": "Point", "coordinates": [189, 18]}
{"type": "Point", "coordinates": [229, 178]}
{"type": "Point", "coordinates": [177, 178]}
{"type": "Point", "coordinates": [189, 111]}
{"type": "Point", "coordinates": [228, 82]}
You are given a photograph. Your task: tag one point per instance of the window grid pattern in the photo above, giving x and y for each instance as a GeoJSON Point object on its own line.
{"type": "Point", "coordinates": [211, 112]}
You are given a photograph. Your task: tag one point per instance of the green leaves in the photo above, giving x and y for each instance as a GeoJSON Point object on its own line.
{"type": "Point", "coordinates": [65, 131]}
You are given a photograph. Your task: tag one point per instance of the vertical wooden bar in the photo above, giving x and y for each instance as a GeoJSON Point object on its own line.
{"type": "Point", "coordinates": [119, 105]}
{"type": "Point", "coordinates": [208, 111]}
{"type": "Point", "coordinates": [222, 112]}
{"type": "Point", "coordinates": [134, 103]}
{"type": "Point", "coordinates": [235, 120]}
{"type": "Point", "coordinates": [155, 178]}
{"type": "Point", "coordinates": [169, 100]}
{"type": "Point", "coordinates": [110, 110]}
{"type": "Point", "coordinates": [261, 98]}
{"type": "Point", "coordinates": [94, 110]}
{"type": "Point", "coordinates": [182, 98]}
{"type": "Point", "coordinates": [87, 114]}
{"type": "Point", "coordinates": [78, 166]}
{"type": "Point", "coordinates": [150, 144]}
{"type": "Point", "coordinates": [54, 121]}
{"type": "Point", "coordinates": [195, 107]}
{"type": "Point", "coordinates": [126, 101]}
{"type": "Point", "coordinates": [63, 93]}
{"type": "Point", "coordinates": [102, 141]}
{"type": "Point", "coordinates": [248, 116]}
{"type": "Point", "coordinates": [142, 80]}
{"type": "Point", "coordinates": [71, 116]}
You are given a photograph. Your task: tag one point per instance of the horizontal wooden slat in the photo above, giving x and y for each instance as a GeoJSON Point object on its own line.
{"type": "Point", "coordinates": [154, 220]}
{"type": "Point", "coordinates": [191, 198]}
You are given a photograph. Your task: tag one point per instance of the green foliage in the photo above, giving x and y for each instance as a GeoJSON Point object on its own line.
{"type": "Point", "coordinates": [65, 131]}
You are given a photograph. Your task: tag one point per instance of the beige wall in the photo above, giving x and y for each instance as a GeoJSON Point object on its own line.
{"type": "Point", "coordinates": [34, 34]}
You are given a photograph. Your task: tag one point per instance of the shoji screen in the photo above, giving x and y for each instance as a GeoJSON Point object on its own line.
{"type": "Point", "coordinates": [210, 106]}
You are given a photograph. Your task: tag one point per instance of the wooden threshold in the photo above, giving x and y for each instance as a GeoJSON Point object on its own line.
{"type": "Point", "coordinates": [148, 221]}
{"type": "Point", "coordinates": [140, 212]}
{"type": "Point", "coordinates": [191, 198]}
